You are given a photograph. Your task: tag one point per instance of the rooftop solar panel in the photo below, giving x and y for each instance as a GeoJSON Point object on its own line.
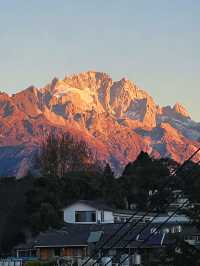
{"type": "Point", "coordinates": [94, 236]}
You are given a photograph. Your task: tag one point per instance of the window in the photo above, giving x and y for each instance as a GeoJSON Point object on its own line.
{"type": "Point", "coordinates": [57, 252]}
{"type": "Point", "coordinates": [176, 229]}
{"type": "Point", "coordinates": [85, 216]}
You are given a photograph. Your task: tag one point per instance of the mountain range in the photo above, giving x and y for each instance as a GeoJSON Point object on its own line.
{"type": "Point", "coordinates": [116, 118]}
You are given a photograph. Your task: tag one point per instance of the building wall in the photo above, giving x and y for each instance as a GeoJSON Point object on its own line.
{"type": "Point", "coordinates": [75, 251]}
{"type": "Point", "coordinates": [47, 253]}
{"type": "Point", "coordinates": [108, 217]}
{"type": "Point", "coordinates": [69, 213]}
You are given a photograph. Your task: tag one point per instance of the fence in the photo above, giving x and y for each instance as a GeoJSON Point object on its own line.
{"type": "Point", "coordinates": [10, 262]}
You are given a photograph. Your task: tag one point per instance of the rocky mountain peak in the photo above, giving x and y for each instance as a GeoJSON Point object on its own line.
{"type": "Point", "coordinates": [4, 96]}
{"type": "Point", "coordinates": [89, 79]}
{"type": "Point", "coordinates": [116, 118]}
{"type": "Point", "coordinates": [181, 110]}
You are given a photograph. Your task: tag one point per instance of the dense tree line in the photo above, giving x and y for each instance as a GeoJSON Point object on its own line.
{"type": "Point", "coordinates": [70, 171]}
{"type": "Point", "coordinates": [13, 216]}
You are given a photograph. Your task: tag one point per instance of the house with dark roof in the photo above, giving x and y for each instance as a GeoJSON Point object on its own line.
{"type": "Point", "coordinates": [79, 241]}
{"type": "Point", "coordinates": [89, 224]}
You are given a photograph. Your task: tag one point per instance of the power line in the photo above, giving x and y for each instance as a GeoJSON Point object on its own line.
{"type": "Point", "coordinates": [156, 230]}
{"type": "Point", "coordinates": [189, 159]}
{"type": "Point", "coordinates": [109, 239]}
{"type": "Point", "coordinates": [141, 219]}
{"type": "Point", "coordinates": [130, 229]}
{"type": "Point", "coordinates": [179, 208]}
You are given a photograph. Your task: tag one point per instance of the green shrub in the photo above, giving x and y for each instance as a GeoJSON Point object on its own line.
{"type": "Point", "coordinates": [40, 263]}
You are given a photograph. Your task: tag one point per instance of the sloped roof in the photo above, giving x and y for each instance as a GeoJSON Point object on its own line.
{"type": "Point", "coordinates": [95, 204]}
{"type": "Point", "coordinates": [78, 234]}
{"type": "Point", "coordinates": [61, 238]}
{"type": "Point", "coordinates": [22, 246]}
{"type": "Point", "coordinates": [133, 212]}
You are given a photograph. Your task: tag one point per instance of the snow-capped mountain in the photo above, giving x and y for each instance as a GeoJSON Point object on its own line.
{"type": "Point", "coordinates": [116, 118]}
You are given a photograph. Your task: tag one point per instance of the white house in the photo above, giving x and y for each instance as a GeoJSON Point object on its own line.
{"type": "Point", "coordinates": [85, 211]}
{"type": "Point", "coordinates": [92, 212]}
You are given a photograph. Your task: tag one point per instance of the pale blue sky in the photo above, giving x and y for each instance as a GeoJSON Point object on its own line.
{"type": "Point", "coordinates": [153, 42]}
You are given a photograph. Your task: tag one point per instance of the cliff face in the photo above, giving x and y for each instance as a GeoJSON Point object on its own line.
{"type": "Point", "coordinates": [116, 118]}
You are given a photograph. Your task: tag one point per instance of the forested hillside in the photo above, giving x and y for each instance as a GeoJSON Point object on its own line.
{"type": "Point", "coordinates": [69, 171]}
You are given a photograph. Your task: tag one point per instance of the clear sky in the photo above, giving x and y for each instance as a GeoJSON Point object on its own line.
{"type": "Point", "coordinates": [156, 43]}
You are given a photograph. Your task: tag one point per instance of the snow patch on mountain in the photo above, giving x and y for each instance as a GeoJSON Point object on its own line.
{"type": "Point", "coordinates": [117, 118]}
